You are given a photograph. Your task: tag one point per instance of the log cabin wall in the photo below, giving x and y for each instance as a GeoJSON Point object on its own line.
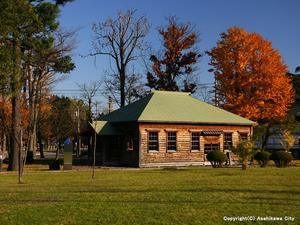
{"type": "Point", "coordinates": [184, 155]}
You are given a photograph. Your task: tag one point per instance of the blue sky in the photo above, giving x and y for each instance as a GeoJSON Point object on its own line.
{"type": "Point", "coordinates": [276, 20]}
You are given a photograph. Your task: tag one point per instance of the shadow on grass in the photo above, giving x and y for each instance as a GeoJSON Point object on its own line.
{"type": "Point", "coordinates": [281, 202]}
{"type": "Point", "coordinates": [68, 190]}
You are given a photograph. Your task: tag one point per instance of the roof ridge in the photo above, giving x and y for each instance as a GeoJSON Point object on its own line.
{"type": "Point", "coordinates": [151, 96]}
{"type": "Point", "coordinates": [170, 92]}
{"type": "Point", "coordinates": [111, 117]}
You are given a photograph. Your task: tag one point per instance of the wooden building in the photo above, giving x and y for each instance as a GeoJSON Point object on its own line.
{"type": "Point", "coordinates": [167, 129]}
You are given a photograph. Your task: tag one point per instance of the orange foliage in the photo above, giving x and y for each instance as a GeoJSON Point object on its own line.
{"type": "Point", "coordinates": [7, 112]}
{"type": "Point", "coordinates": [178, 58]}
{"type": "Point", "coordinates": [251, 76]}
{"type": "Point", "coordinates": [44, 119]}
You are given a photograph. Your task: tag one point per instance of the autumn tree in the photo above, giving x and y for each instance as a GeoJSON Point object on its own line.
{"type": "Point", "coordinates": [121, 39]}
{"type": "Point", "coordinates": [251, 76]}
{"type": "Point", "coordinates": [173, 69]}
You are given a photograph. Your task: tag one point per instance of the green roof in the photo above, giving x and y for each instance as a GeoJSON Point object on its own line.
{"type": "Point", "coordinates": [174, 107]}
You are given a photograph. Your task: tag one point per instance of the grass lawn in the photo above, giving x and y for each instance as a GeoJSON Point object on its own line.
{"type": "Point", "coordinates": [150, 196]}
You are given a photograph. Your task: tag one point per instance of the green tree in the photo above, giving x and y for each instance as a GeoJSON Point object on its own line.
{"type": "Point", "coordinates": [33, 53]}
{"type": "Point", "coordinates": [62, 119]}
{"type": "Point", "coordinates": [49, 57]}
{"type": "Point", "coordinates": [18, 20]}
{"type": "Point", "coordinates": [173, 71]}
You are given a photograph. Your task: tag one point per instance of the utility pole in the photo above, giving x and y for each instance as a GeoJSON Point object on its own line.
{"type": "Point", "coordinates": [95, 143]}
{"type": "Point", "coordinates": [110, 105]}
{"type": "Point", "coordinates": [78, 132]}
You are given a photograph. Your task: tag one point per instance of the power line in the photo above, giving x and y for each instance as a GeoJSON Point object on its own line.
{"type": "Point", "coordinates": [80, 91]}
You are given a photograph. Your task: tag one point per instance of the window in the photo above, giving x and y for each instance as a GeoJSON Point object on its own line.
{"type": "Point", "coordinates": [243, 136]}
{"type": "Point", "coordinates": [211, 147]}
{"type": "Point", "coordinates": [130, 144]}
{"type": "Point", "coordinates": [227, 141]}
{"type": "Point", "coordinates": [153, 141]}
{"type": "Point", "coordinates": [171, 142]}
{"type": "Point", "coordinates": [195, 141]}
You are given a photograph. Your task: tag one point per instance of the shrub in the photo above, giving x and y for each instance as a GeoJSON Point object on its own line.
{"type": "Point", "coordinates": [262, 158]}
{"type": "Point", "coordinates": [54, 165]}
{"type": "Point", "coordinates": [216, 158]}
{"type": "Point", "coordinates": [281, 158]}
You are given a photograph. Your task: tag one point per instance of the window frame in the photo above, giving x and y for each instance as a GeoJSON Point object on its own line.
{"type": "Point", "coordinates": [149, 141]}
{"type": "Point", "coordinates": [192, 141]}
{"type": "Point", "coordinates": [243, 133]}
{"type": "Point", "coordinates": [167, 141]}
{"type": "Point", "coordinates": [212, 149]}
{"type": "Point", "coordinates": [225, 142]}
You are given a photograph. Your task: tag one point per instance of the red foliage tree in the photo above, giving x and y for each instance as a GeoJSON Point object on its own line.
{"type": "Point", "coordinates": [174, 69]}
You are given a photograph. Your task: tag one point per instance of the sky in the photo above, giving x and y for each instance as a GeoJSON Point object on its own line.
{"type": "Point", "coordinates": [276, 20]}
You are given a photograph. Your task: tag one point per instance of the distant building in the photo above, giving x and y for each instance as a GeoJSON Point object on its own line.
{"type": "Point", "coordinates": [275, 140]}
{"type": "Point", "coordinates": [167, 129]}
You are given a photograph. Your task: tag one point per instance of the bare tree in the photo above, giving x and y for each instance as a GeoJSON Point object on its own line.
{"type": "Point", "coordinates": [205, 92]}
{"type": "Point", "coordinates": [134, 87]}
{"type": "Point", "coordinates": [121, 39]}
{"type": "Point", "coordinates": [88, 92]}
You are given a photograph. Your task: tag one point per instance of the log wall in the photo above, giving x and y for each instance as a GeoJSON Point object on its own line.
{"type": "Point", "coordinates": [183, 155]}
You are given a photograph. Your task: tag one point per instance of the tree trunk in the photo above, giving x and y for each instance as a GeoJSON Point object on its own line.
{"type": "Point", "coordinates": [244, 165]}
{"type": "Point", "coordinates": [15, 135]}
{"type": "Point", "coordinates": [90, 150]}
{"type": "Point", "coordinates": [16, 85]}
{"type": "Point", "coordinates": [33, 112]}
{"type": "Point", "coordinates": [2, 147]}
{"type": "Point", "coordinates": [41, 146]}
{"type": "Point", "coordinates": [89, 116]}
{"type": "Point", "coordinates": [122, 86]}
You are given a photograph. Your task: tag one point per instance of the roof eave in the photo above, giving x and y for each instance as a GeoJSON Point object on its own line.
{"type": "Point", "coordinates": [194, 122]}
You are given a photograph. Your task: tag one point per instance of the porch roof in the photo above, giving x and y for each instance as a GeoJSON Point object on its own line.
{"type": "Point", "coordinates": [212, 132]}
{"type": "Point", "coordinates": [105, 128]}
